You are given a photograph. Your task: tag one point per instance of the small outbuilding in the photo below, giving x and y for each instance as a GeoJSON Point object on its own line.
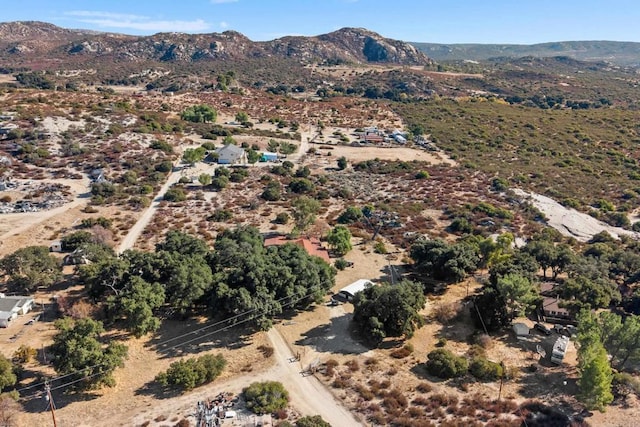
{"type": "Point", "coordinates": [55, 246]}
{"type": "Point", "coordinates": [349, 291]}
{"type": "Point", "coordinates": [521, 329]}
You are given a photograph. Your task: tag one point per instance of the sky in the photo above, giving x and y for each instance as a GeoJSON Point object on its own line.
{"type": "Point", "coordinates": [434, 21]}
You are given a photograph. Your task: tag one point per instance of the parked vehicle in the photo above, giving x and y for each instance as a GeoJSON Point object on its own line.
{"type": "Point", "coordinates": [540, 327]}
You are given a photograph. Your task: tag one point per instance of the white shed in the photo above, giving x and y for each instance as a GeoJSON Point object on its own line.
{"type": "Point", "coordinates": [55, 246]}
{"type": "Point", "coordinates": [521, 329]}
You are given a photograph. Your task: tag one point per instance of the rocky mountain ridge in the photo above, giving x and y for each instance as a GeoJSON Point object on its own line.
{"type": "Point", "coordinates": [25, 42]}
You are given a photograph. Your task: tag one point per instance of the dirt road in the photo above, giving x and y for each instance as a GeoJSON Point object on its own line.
{"type": "Point", "coordinates": [308, 395]}
{"type": "Point", "coordinates": [134, 232]}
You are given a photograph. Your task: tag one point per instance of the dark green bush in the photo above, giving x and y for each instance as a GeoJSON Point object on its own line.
{"type": "Point", "coordinates": [444, 364]}
{"type": "Point", "coordinates": [485, 370]}
{"type": "Point", "coordinates": [191, 373]}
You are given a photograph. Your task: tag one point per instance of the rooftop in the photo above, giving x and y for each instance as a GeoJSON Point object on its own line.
{"type": "Point", "coordinates": [311, 245]}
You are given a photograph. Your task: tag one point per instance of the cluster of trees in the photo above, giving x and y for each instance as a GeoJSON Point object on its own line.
{"type": "Point", "coordinates": [445, 261]}
{"type": "Point", "coordinates": [389, 310]}
{"type": "Point", "coordinates": [199, 114]}
{"type": "Point", "coordinates": [238, 276]}
{"type": "Point", "coordinates": [191, 373]}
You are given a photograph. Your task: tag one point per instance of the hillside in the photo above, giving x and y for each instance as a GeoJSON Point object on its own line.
{"type": "Point", "coordinates": [29, 43]}
{"type": "Point", "coordinates": [620, 53]}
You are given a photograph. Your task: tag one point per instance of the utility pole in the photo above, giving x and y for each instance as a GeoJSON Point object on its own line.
{"type": "Point", "coordinates": [503, 367]}
{"type": "Point", "coordinates": [51, 404]}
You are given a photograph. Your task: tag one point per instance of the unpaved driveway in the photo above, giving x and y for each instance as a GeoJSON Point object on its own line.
{"type": "Point", "coordinates": [308, 395]}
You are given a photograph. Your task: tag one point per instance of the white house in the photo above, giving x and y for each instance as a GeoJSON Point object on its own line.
{"type": "Point", "coordinates": [12, 307]}
{"type": "Point", "coordinates": [55, 246]}
{"type": "Point", "coordinates": [231, 154]}
{"type": "Point", "coordinates": [349, 291]}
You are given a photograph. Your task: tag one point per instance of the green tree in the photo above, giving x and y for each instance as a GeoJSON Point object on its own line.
{"type": "Point", "coordinates": [595, 379]}
{"type": "Point", "coordinates": [191, 156]}
{"type": "Point", "coordinates": [265, 397]}
{"type": "Point", "coordinates": [252, 156]}
{"type": "Point", "coordinates": [199, 114]}
{"type": "Point", "coordinates": [544, 252]}
{"type": "Point", "coordinates": [78, 353]}
{"type": "Point", "coordinates": [304, 212]}
{"type": "Point", "coordinates": [350, 215]}
{"type": "Point", "coordinates": [72, 241]}
{"type": "Point", "coordinates": [31, 267]}
{"type": "Point", "coordinates": [389, 311]}
{"type": "Point", "coordinates": [204, 179]}
{"type": "Point", "coordinates": [136, 304]}
{"type": "Point", "coordinates": [339, 240]}
{"type": "Point", "coordinates": [342, 163]}
{"type": "Point", "coordinates": [444, 261]}
{"type": "Point", "coordinates": [519, 294]}
{"type": "Point", "coordinates": [8, 377]}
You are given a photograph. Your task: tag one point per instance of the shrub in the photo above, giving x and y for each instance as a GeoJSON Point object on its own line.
{"type": "Point", "coordinates": [422, 175]}
{"type": "Point", "coordinates": [175, 194]}
{"type": "Point", "coordinates": [265, 397]}
{"type": "Point", "coordinates": [445, 313]}
{"type": "Point", "coordinates": [271, 192]}
{"type": "Point", "coordinates": [101, 221]}
{"type": "Point", "coordinates": [220, 215]}
{"type": "Point", "coordinates": [282, 218]}
{"type": "Point", "coordinates": [424, 387]}
{"type": "Point", "coordinates": [312, 421]}
{"type": "Point", "coordinates": [24, 354]}
{"type": "Point", "coordinates": [353, 365]}
{"type": "Point", "coordinates": [379, 247]}
{"type": "Point", "coordinates": [266, 350]}
{"type": "Point", "coordinates": [485, 370]}
{"type": "Point", "coordinates": [341, 264]}
{"type": "Point", "coordinates": [190, 373]}
{"type": "Point", "coordinates": [403, 352]}
{"type": "Point", "coordinates": [350, 215]}
{"type": "Point", "coordinates": [444, 364]}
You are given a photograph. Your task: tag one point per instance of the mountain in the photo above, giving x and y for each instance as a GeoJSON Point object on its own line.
{"type": "Point", "coordinates": [619, 53]}
{"type": "Point", "coordinates": [43, 45]}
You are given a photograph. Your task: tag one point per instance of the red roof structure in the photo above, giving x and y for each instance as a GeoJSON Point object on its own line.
{"type": "Point", "coordinates": [312, 245]}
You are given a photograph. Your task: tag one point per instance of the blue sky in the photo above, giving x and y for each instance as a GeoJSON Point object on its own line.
{"type": "Point", "coordinates": [437, 21]}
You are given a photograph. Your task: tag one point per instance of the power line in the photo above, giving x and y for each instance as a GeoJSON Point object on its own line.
{"type": "Point", "coordinates": [46, 382]}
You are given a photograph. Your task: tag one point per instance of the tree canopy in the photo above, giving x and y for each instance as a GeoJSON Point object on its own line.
{"type": "Point", "coordinates": [339, 240]}
{"type": "Point", "coordinates": [389, 311]}
{"type": "Point", "coordinates": [31, 267]}
{"type": "Point", "coordinates": [79, 352]}
{"type": "Point", "coordinates": [265, 397]}
{"type": "Point", "coordinates": [199, 114]}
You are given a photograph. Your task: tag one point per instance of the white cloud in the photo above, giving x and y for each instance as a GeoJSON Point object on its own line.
{"type": "Point", "coordinates": [136, 22]}
{"type": "Point", "coordinates": [223, 1]}
{"type": "Point", "coordinates": [224, 24]}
